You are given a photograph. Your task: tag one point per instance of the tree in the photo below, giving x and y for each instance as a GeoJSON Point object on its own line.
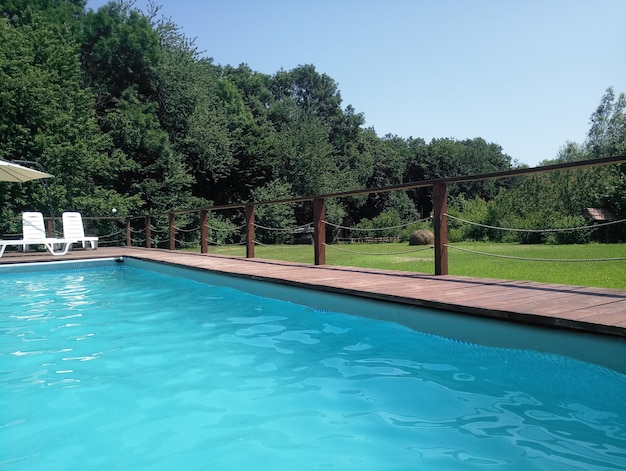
{"type": "Point", "coordinates": [306, 156]}
{"type": "Point", "coordinates": [280, 218]}
{"type": "Point", "coordinates": [122, 57]}
{"type": "Point", "coordinates": [155, 172]}
{"type": "Point", "coordinates": [67, 12]}
{"type": "Point", "coordinates": [389, 157]}
{"type": "Point", "coordinates": [315, 94]}
{"type": "Point", "coordinates": [607, 135]}
{"type": "Point", "coordinates": [48, 118]}
{"type": "Point", "coordinates": [258, 162]}
{"type": "Point", "coordinates": [444, 158]}
{"type": "Point", "coordinates": [120, 50]}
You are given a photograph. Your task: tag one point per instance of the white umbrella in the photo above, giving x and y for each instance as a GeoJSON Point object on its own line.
{"type": "Point", "coordinates": [10, 172]}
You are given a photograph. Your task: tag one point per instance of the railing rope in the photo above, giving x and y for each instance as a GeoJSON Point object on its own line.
{"type": "Point", "coordinates": [512, 229]}
{"type": "Point", "coordinates": [439, 197]}
{"type": "Point", "coordinates": [282, 229]}
{"type": "Point", "coordinates": [531, 259]}
{"type": "Point", "coordinates": [430, 247]}
{"type": "Point", "coordinates": [399, 226]}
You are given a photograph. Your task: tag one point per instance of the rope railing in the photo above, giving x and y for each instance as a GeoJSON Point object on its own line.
{"type": "Point", "coordinates": [185, 243]}
{"type": "Point", "coordinates": [112, 234]}
{"type": "Point", "coordinates": [219, 244]}
{"type": "Point", "coordinates": [320, 228]}
{"type": "Point", "coordinates": [112, 238]}
{"type": "Point", "coordinates": [374, 253]}
{"type": "Point", "coordinates": [178, 229]}
{"type": "Point", "coordinates": [400, 226]}
{"type": "Point", "coordinates": [108, 243]}
{"type": "Point", "coordinates": [282, 246]}
{"type": "Point", "coordinates": [565, 229]}
{"type": "Point", "coordinates": [158, 231]}
{"type": "Point", "coordinates": [225, 229]}
{"type": "Point", "coordinates": [282, 229]}
{"type": "Point", "coordinates": [530, 259]}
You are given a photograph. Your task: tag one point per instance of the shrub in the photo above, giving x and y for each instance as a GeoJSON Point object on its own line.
{"type": "Point", "coordinates": [384, 225]}
{"type": "Point", "coordinates": [532, 222]}
{"type": "Point", "coordinates": [579, 236]}
{"type": "Point", "coordinates": [456, 235]}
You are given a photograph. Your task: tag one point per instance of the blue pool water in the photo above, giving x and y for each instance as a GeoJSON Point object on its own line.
{"type": "Point", "coordinates": [121, 368]}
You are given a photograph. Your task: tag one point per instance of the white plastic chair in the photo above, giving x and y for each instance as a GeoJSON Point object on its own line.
{"type": "Point", "coordinates": [73, 230]}
{"type": "Point", "coordinates": [33, 229]}
{"type": "Point", "coordinates": [34, 233]}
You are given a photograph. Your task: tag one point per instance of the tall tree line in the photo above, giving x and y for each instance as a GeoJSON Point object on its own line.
{"type": "Point", "coordinates": [124, 110]}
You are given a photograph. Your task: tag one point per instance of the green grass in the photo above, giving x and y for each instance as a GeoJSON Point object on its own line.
{"type": "Point", "coordinates": [399, 256]}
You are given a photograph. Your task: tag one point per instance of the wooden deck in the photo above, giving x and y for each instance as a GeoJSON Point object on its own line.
{"type": "Point", "coordinates": [595, 310]}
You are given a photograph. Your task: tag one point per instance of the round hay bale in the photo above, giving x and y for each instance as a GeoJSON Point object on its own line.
{"type": "Point", "coordinates": [422, 237]}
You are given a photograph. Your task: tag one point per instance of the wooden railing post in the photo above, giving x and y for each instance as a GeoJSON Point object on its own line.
{"type": "Point", "coordinates": [319, 230]}
{"type": "Point", "coordinates": [172, 231]}
{"type": "Point", "coordinates": [148, 233]}
{"type": "Point", "coordinates": [440, 219]}
{"type": "Point", "coordinates": [249, 230]}
{"type": "Point", "coordinates": [204, 231]}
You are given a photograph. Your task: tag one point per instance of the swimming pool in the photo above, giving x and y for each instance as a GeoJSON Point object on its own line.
{"type": "Point", "coordinates": [109, 365]}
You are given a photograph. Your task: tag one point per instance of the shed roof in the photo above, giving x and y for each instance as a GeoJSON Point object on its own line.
{"type": "Point", "coordinates": [600, 214]}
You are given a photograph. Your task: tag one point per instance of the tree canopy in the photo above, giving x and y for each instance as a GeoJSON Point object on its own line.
{"type": "Point", "coordinates": [121, 107]}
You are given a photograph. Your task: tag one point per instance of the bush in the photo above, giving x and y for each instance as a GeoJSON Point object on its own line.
{"type": "Point", "coordinates": [456, 235]}
{"type": "Point", "coordinates": [480, 213]}
{"type": "Point", "coordinates": [532, 222]}
{"type": "Point", "coordinates": [384, 225]}
{"type": "Point", "coordinates": [579, 236]}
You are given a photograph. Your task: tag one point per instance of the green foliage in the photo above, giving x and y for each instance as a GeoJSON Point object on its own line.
{"type": "Point", "coordinates": [149, 168]}
{"type": "Point", "coordinates": [278, 218]}
{"type": "Point", "coordinates": [607, 135]}
{"type": "Point", "coordinates": [222, 230]}
{"type": "Point", "coordinates": [577, 236]}
{"type": "Point", "coordinates": [124, 110]}
{"type": "Point", "coordinates": [120, 50]}
{"type": "Point", "coordinates": [49, 119]}
{"type": "Point", "coordinates": [386, 224]}
{"type": "Point", "coordinates": [475, 210]}
{"type": "Point", "coordinates": [444, 158]}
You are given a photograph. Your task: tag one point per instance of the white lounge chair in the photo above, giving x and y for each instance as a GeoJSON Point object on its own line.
{"type": "Point", "coordinates": [73, 230]}
{"type": "Point", "coordinates": [34, 233]}
{"type": "Point", "coordinates": [33, 228]}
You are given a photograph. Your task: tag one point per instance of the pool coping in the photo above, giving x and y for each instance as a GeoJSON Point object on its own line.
{"type": "Point", "coordinates": [577, 308]}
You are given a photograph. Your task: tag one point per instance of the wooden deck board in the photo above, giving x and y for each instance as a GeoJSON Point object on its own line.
{"type": "Point", "coordinates": [597, 310]}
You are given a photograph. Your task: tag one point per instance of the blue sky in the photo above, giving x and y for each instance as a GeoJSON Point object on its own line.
{"type": "Point", "coordinates": [526, 75]}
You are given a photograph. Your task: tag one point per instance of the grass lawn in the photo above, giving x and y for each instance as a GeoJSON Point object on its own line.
{"type": "Point", "coordinates": [399, 256]}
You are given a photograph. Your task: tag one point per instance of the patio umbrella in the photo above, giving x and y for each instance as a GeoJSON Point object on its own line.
{"type": "Point", "coordinates": [10, 172]}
